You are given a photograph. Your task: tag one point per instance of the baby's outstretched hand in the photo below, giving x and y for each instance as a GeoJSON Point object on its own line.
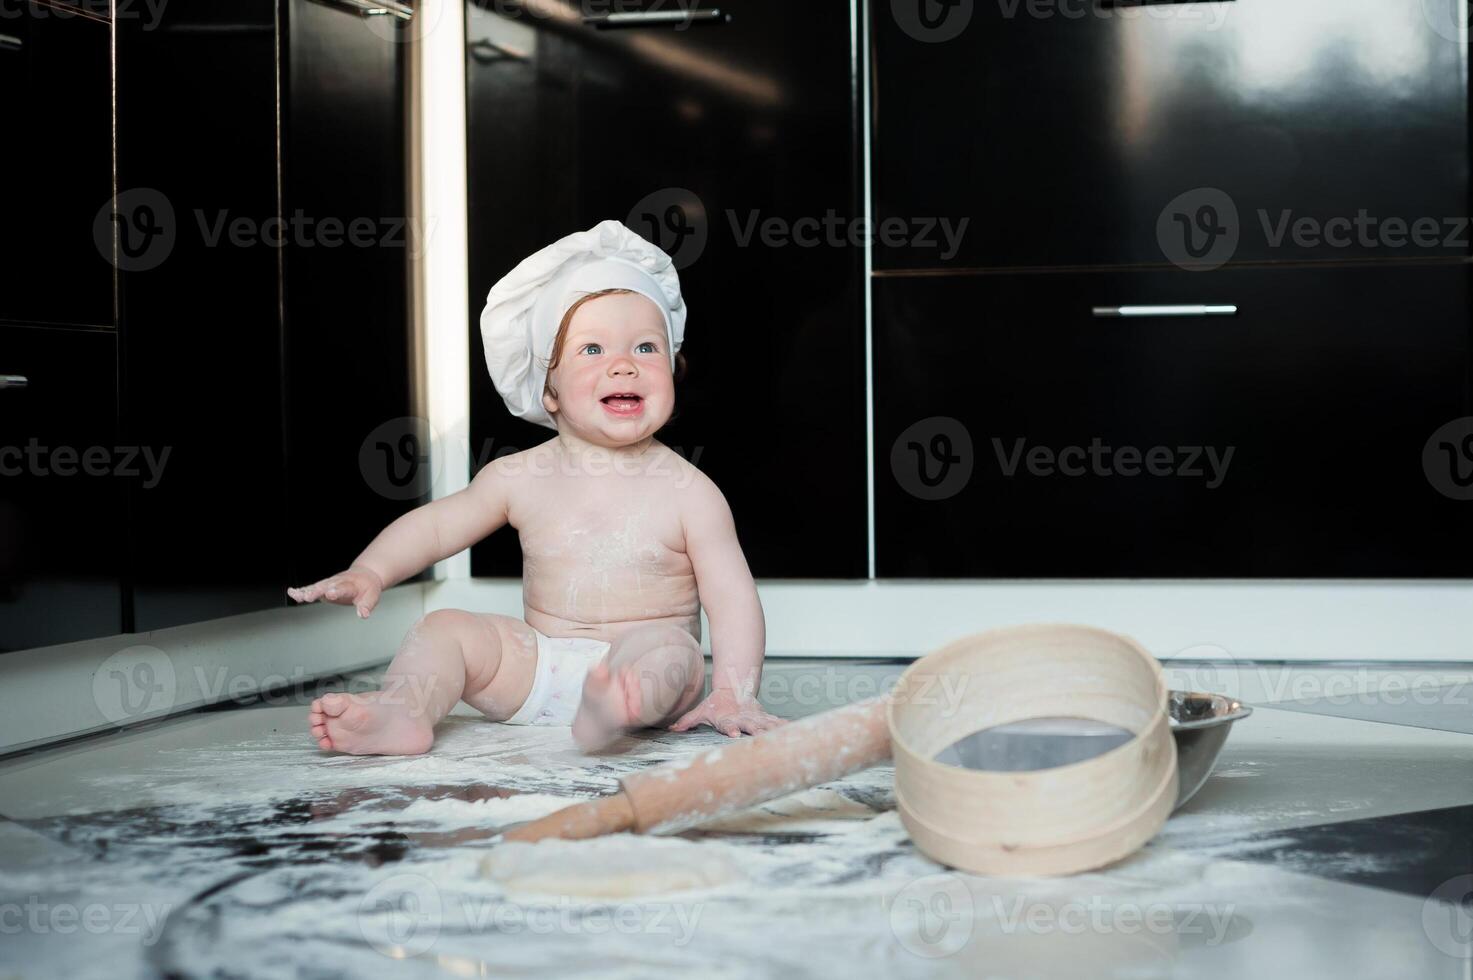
{"type": "Point", "coordinates": [728, 714]}
{"type": "Point", "coordinates": [359, 586]}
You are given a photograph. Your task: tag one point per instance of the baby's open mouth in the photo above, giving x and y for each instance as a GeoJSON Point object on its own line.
{"type": "Point", "coordinates": [623, 403]}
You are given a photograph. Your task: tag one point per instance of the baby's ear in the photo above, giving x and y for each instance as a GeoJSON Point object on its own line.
{"type": "Point", "coordinates": [549, 403]}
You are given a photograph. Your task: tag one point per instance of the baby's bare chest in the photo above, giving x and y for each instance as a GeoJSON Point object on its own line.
{"type": "Point", "coordinates": [601, 531]}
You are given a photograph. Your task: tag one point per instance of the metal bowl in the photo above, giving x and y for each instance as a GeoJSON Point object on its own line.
{"type": "Point", "coordinates": [1200, 724]}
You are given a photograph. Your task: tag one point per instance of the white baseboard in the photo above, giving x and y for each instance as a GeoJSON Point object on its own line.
{"type": "Point", "coordinates": [58, 692]}
{"type": "Point", "coordinates": [1247, 620]}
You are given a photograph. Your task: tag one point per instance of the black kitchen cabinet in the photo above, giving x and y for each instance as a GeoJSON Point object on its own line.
{"type": "Point", "coordinates": [1080, 134]}
{"type": "Point", "coordinates": [695, 135]}
{"type": "Point", "coordinates": [62, 476]}
{"type": "Point", "coordinates": [201, 330]}
{"type": "Point", "coordinates": [1326, 388]}
{"type": "Point", "coordinates": [55, 67]}
{"type": "Point", "coordinates": [265, 332]}
{"type": "Point", "coordinates": [354, 461]}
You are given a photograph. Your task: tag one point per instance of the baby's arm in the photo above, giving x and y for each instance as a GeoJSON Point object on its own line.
{"type": "Point", "coordinates": [416, 540]}
{"type": "Point", "coordinates": [738, 631]}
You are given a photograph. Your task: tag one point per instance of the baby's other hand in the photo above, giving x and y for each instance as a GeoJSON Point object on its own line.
{"type": "Point", "coordinates": [359, 586]}
{"type": "Point", "coordinates": [729, 714]}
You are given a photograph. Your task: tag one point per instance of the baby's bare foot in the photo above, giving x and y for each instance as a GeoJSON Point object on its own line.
{"type": "Point", "coordinates": [606, 709]}
{"type": "Point", "coordinates": [360, 724]}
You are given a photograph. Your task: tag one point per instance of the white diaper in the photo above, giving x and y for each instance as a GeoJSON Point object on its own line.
{"type": "Point", "coordinates": [562, 663]}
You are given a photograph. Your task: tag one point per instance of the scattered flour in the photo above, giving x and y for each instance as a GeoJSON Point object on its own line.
{"type": "Point", "coordinates": [616, 866]}
{"type": "Point", "coordinates": [496, 812]}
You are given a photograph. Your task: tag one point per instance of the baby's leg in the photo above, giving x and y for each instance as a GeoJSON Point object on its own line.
{"type": "Point", "coordinates": [650, 676]}
{"type": "Point", "coordinates": [448, 655]}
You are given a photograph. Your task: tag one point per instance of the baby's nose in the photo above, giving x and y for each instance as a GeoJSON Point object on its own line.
{"type": "Point", "coordinates": [623, 367]}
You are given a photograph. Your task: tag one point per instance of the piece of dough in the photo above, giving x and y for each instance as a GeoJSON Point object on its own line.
{"type": "Point", "coordinates": [617, 866]}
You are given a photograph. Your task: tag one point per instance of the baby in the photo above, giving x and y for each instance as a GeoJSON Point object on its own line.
{"type": "Point", "coordinates": [622, 539]}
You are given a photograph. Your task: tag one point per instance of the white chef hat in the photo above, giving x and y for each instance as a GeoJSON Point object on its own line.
{"type": "Point", "coordinates": [523, 310]}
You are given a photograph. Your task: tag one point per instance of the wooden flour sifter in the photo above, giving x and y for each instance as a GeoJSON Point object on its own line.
{"type": "Point", "coordinates": [1058, 820]}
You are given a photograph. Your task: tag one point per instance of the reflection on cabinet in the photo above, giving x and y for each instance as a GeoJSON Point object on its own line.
{"type": "Point", "coordinates": [62, 476]}
{"type": "Point", "coordinates": [689, 135]}
{"type": "Point", "coordinates": [1064, 131]}
{"type": "Point", "coordinates": [1292, 434]}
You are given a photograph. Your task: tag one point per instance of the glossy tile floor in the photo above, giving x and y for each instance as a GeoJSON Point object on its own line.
{"type": "Point", "coordinates": [1334, 839]}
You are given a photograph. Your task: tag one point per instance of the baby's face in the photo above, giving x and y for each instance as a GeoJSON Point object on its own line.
{"type": "Point", "coordinates": [616, 346]}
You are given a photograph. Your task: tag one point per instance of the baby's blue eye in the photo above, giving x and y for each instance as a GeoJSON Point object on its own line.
{"type": "Point", "coordinates": [594, 346]}
{"type": "Point", "coordinates": [650, 344]}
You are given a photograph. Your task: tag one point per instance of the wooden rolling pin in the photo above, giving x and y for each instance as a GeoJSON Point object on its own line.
{"type": "Point", "coordinates": [731, 777]}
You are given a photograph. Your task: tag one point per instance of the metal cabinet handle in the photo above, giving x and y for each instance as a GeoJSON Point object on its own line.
{"type": "Point", "coordinates": [654, 18]}
{"type": "Point", "coordinates": [373, 8]}
{"type": "Point", "coordinates": [1163, 309]}
{"type": "Point", "coordinates": [13, 381]}
{"type": "Point", "coordinates": [9, 42]}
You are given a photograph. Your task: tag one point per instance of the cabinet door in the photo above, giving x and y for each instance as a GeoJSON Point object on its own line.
{"type": "Point", "coordinates": [348, 346]}
{"type": "Point", "coordinates": [1080, 133]}
{"type": "Point", "coordinates": [56, 245]}
{"type": "Point", "coordinates": [201, 329]}
{"type": "Point", "coordinates": [993, 392]}
{"type": "Point", "coordinates": [695, 135]}
{"type": "Point", "coordinates": [61, 478]}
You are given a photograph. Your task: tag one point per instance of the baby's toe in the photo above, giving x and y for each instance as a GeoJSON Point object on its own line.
{"type": "Point", "coordinates": [332, 704]}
